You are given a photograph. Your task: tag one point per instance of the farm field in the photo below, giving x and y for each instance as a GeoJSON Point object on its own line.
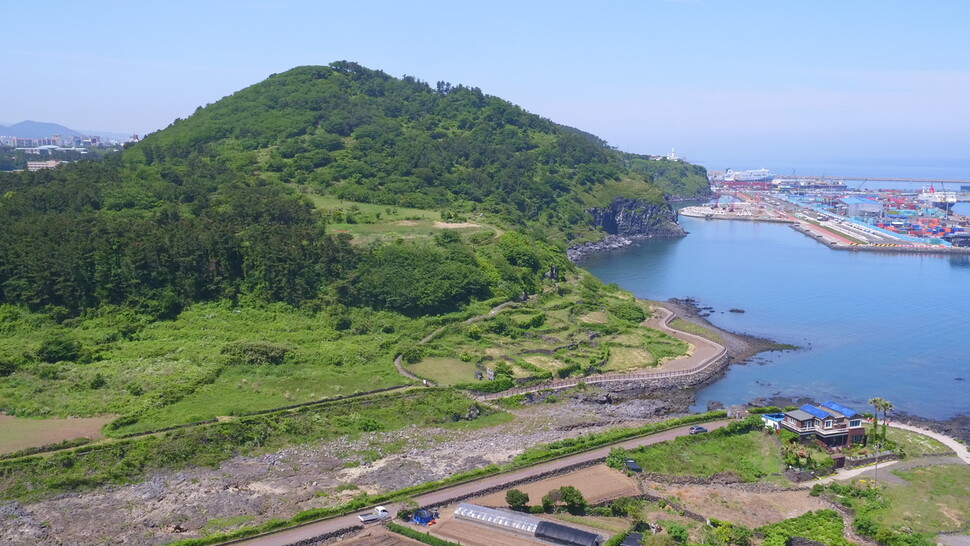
{"type": "Point", "coordinates": [473, 534]}
{"type": "Point", "coordinates": [558, 334]}
{"type": "Point", "coordinates": [931, 499]}
{"type": "Point", "coordinates": [751, 456]}
{"type": "Point", "coordinates": [596, 483]}
{"type": "Point", "coordinates": [737, 505]}
{"type": "Point", "coordinates": [379, 536]}
{"type": "Point", "coordinates": [19, 433]}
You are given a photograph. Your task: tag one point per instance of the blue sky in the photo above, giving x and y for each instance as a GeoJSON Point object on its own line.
{"type": "Point", "coordinates": [728, 83]}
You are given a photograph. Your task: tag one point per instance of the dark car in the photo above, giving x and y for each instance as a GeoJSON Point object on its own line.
{"type": "Point", "coordinates": [696, 429]}
{"type": "Point", "coordinates": [632, 465]}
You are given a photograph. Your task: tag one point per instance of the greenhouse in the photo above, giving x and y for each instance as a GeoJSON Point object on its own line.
{"type": "Point", "coordinates": [502, 519]}
{"type": "Point", "coordinates": [560, 534]}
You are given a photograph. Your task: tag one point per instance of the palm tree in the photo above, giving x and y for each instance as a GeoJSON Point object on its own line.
{"type": "Point", "coordinates": [887, 407]}
{"type": "Point", "coordinates": [876, 403]}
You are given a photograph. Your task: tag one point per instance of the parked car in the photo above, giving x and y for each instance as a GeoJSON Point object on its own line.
{"type": "Point", "coordinates": [697, 429]}
{"type": "Point", "coordinates": [379, 514]}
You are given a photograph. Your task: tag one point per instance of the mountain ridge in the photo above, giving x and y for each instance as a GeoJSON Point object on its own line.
{"type": "Point", "coordinates": [45, 129]}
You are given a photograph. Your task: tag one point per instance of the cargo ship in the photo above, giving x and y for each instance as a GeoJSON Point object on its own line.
{"type": "Point", "coordinates": [940, 199]}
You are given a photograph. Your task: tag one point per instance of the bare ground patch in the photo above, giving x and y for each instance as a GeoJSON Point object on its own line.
{"type": "Point", "coordinates": [17, 433]}
{"type": "Point", "coordinates": [736, 505]}
{"type": "Point", "coordinates": [455, 225]}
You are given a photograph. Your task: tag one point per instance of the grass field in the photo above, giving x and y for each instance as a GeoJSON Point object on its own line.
{"type": "Point", "coordinates": [933, 499]}
{"type": "Point", "coordinates": [445, 371]}
{"type": "Point", "coordinates": [915, 444]}
{"type": "Point", "coordinates": [178, 371]}
{"type": "Point", "coordinates": [368, 222]}
{"type": "Point", "coordinates": [750, 455]}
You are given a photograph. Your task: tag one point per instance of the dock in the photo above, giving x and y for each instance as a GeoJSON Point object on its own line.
{"type": "Point", "coordinates": [836, 232]}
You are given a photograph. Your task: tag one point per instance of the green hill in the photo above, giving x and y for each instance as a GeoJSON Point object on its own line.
{"type": "Point", "coordinates": [286, 243]}
{"type": "Point", "coordinates": [215, 206]}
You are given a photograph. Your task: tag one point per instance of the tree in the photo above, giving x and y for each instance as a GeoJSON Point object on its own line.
{"type": "Point", "coordinates": [573, 499]}
{"type": "Point", "coordinates": [887, 407]}
{"type": "Point", "coordinates": [876, 404]}
{"type": "Point", "coordinates": [516, 499]}
{"type": "Point", "coordinates": [56, 348]}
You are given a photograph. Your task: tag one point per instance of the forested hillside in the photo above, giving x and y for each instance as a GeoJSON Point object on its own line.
{"type": "Point", "coordinates": [211, 207]}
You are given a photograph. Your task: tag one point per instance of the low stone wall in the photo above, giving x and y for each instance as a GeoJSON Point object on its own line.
{"type": "Point", "coordinates": [856, 462]}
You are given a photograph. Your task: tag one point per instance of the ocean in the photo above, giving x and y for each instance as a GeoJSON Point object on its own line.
{"type": "Point", "coordinates": [896, 326]}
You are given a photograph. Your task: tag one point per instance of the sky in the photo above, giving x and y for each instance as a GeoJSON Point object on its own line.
{"type": "Point", "coordinates": [727, 83]}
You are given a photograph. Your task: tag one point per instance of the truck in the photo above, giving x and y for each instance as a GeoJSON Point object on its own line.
{"type": "Point", "coordinates": [379, 514]}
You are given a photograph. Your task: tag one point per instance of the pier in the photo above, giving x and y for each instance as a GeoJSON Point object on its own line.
{"type": "Point", "coordinates": [879, 179]}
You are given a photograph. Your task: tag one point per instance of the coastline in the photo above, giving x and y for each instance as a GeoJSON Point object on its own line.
{"type": "Point", "coordinates": [742, 347]}
{"type": "Point", "coordinates": [579, 252]}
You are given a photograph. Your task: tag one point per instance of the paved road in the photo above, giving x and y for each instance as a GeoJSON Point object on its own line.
{"type": "Point", "coordinates": [442, 496]}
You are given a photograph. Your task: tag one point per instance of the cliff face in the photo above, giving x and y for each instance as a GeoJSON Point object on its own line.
{"type": "Point", "coordinates": [625, 220]}
{"type": "Point", "coordinates": [635, 218]}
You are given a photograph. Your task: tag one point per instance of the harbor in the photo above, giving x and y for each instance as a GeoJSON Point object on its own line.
{"type": "Point", "coordinates": [884, 220]}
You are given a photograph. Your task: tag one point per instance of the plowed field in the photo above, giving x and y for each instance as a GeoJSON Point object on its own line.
{"type": "Point", "coordinates": [473, 534]}
{"type": "Point", "coordinates": [597, 483]}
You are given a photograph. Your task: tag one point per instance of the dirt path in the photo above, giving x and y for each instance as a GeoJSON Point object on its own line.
{"type": "Point", "coordinates": [465, 490]}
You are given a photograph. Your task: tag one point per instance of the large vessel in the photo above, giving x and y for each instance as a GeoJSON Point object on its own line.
{"type": "Point", "coordinates": [939, 199]}
{"type": "Point", "coordinates": [754, 175]}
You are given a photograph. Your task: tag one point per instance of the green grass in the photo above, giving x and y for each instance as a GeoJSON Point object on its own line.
{"type": "Point", "coordinates": [382, 222]}
{"type": "Point", "coordinates": [824, 526]}
{"type": "Point", "coordinates": [174, 372]}
{"type": "Point", "coordinates": [575, 326]}
{"type": "Point", "coordinates": [752, 455]}
{"type": "Point", "coordinates": [444, 371]}
{"type": "Point", "coordinates": [222, 524]}
{"type": "Point", "coordinates": [933, 499]}
{"type": "Point", "coordinates": [690, 327]}
{"type": "Point", "coordinates": [914, 444]}
{"type": "Point", "coordinates": [387, 212]}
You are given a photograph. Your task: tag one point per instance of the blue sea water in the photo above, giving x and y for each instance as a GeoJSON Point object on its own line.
{"type": "Point", "coordinates": [895, 326]}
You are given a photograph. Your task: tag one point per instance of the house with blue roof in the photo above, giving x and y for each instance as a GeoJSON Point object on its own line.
{"type": "Point", "coordinates": [832, 424]}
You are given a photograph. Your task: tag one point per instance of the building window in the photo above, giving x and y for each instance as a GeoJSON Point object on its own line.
{"type": "Point", "coordinates": [828, 423]}
{"type": "Point", "coordinates": [855, 423]}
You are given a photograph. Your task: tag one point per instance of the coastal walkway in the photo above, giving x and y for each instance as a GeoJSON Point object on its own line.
{"type": "Point", "coordinates": [704, 354]}
{"type": "Point", "coordinates": [962, 454]}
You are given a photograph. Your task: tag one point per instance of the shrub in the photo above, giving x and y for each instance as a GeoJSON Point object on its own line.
{"type": "Point", "coordinates": [7, 367]}
{"type": "Point", "coordinates": [255, 352]}
{"type": "Point", "coordinates": [516, 499]}
{"type": "Point", "coordinates": [629, 312]}
{"type": "Point", "coordinates": [58, 347]}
